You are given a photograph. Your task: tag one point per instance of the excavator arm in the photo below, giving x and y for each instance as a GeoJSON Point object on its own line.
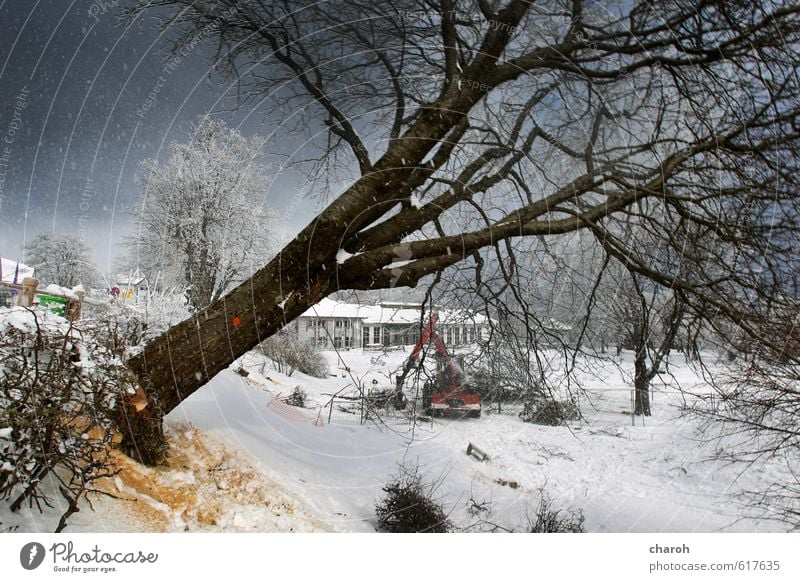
{"type": "Point", "coordinates": [424, 338]}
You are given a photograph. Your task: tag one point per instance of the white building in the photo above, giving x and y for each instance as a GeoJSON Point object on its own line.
{"type": "Point", "coordinates": [332, 324]}
{"type": "Point", "coordinates": [130, 286]}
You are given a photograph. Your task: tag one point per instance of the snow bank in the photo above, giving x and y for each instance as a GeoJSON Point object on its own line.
{"type": "Point", "coordinates": [25, 320]}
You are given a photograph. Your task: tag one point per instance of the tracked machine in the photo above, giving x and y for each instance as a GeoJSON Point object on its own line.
{"type": "Point", "coordinates": [446, 394]}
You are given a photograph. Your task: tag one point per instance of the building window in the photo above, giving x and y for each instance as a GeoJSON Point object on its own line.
{"type": "Point", "coordinates": [376, 335]}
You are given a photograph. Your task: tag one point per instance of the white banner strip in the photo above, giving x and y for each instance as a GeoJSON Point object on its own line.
{"type": "Point", "coordinates": [385, 558]}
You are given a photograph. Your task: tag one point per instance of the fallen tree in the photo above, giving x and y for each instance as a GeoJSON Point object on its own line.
{"type": "Point", "coordinates": [475, 125]}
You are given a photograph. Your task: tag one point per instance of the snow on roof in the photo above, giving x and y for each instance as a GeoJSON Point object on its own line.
{"type": "Point", "coordinates": [383, 314]}
{"type": "Point", "coordinates": [330, 308]}
{"type": "Point", "coordinates": [554, 325]}
{"type": "Point", "coordinates": [460, 316]}
{"type": "Point", "coordinates": [132, 279]}
{"type": "Point", "coordinates": [393, 315]}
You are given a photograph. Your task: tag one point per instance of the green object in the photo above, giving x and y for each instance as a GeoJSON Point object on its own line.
{"type": "Point", "coordinates": [53, 304]}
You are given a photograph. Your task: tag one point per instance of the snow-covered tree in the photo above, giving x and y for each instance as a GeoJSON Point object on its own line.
{"type": "Point", "coordinates": [61, 259]}
{"type": "Point", "coordinates": [202, 222]}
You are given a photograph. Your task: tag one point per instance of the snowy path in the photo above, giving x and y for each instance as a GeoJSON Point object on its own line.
{"type": "Point", "coordinates": [338, 470]}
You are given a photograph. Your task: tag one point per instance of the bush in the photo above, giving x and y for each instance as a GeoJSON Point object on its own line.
{"type": "Point", "coordinates": [139, 320]}
{"type": "Point", "coordinates": [297, 397]}
{"type": "Point", "coordinates": [290, 353]}
{"type": "Point", "coordinates": [549, 412]}
{"type": "Point", "coordinates": [408, 507]}
{"type": "Point", "coordinates": [548, 520]}
{"type": "Point", "coordinates": [62, 432]}
{"type": "Point", "coordinates": [492, 387]}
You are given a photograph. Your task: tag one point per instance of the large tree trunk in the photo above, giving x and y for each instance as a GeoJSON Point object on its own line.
{"type": "Point", "coordinates": [175, 365]}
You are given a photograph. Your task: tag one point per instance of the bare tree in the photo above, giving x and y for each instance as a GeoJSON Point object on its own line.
{"type": "Point", "coordinates": [201, 216]}
{"type": "Point", "coordinates": [755, 408]}
{"type": "Point", "coordinates": [466, 126]}
{"type": "Point", "coordinates": [647, 320]}
{"type": "Point", "coordinates": [289, 353]}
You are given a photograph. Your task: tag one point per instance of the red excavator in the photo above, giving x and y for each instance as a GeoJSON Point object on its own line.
{"type": "Point", "coordinates": [448, 394]}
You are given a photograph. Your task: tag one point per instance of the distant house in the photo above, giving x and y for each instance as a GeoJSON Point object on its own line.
{"type": "Point", "coordinates": [130, 286]}
{"type": "Point", "coordinates": [557, 332]}
{"type": "Point", "coordinates": [334, 324]}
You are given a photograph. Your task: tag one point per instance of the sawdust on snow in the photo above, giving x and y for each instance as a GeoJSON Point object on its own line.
{"type": "Point", "coordinates": [204, 487]}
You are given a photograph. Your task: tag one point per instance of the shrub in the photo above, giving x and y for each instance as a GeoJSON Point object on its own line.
{"type": "Point", "coordinates": [549, 520]}
{"type": "Point", "coordinates": [290, 353]}
{"type": "Point", "coordinates": [58, 389]}
{"type": "Point", "coordinates": [139, 320]}
{"type": "Point", "coordinates": [549, 412]}
{"type": "Point", "coordinates": [297, 397]}
{"type": "Point", "coordinates": [408, 507]}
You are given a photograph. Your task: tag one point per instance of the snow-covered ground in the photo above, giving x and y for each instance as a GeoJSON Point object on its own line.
{"type": "Point", "coordinates": [244, 462]}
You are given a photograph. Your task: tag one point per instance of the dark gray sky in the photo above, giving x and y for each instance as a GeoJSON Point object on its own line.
{"type": "Point", "coordinates": [74, 87]}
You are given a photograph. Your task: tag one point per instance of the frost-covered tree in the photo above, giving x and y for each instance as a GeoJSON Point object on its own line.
{"type": "Point", "coordinates": [202, 224]}
{"type": "Point", "coordinates": [61, 259]}
{"type": "Point", "coordinates": [290, 353]}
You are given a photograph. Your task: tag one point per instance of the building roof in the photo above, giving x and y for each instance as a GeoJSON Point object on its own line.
{"type": "Point", "coordinates": [132, 279]}
{"type": "Point", "coordinates": [388, 314]}
{"type": "Point", "coordinates": [554, 325]}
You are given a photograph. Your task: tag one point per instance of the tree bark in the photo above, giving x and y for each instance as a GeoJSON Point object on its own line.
{"type": "Point", "coordinates": [175, 365]}
{"type": "Point", "coordinates": [641, 383]}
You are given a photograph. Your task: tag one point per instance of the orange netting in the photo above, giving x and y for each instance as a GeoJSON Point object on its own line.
{"type": "Point", "coordinates": [291, 412]}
